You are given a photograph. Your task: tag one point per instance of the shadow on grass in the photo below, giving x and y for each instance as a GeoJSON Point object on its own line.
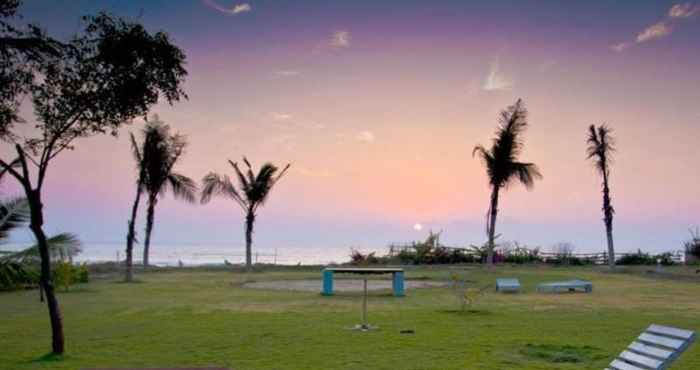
{"type": "Point", "coordinates": [561, 354]}
{"type": "Point", "coordinates": [49, 357]}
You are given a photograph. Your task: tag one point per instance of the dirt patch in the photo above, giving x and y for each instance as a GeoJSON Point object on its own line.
{"type": "Point", "coordinates": [340, 285]}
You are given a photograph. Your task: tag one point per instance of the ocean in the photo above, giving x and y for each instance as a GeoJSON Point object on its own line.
{"type": "Point", "coordinates": [164, 254]}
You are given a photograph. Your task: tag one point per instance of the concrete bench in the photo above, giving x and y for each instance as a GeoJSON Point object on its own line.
{"type": "Point", "coordinates": [508, 285]}
{"type": "Point", "coordinates": [397, 277]}
{"type": "Point", "coordinates": [566, 286]}
{"type": "Point", "coordinates": [655, 349]}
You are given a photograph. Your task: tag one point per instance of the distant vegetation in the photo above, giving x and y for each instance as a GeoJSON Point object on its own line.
{"type": "Point", "coordinates": [432, 252]}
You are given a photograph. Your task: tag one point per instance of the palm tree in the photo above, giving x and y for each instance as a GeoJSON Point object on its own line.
{"type": "Point", "coordinates": [252, 193]}
{"type": "Point", "coordinates": [502, 165]}
{"type": "Point", "coordinates": [601, 145]}
{"type": "Point", "coordinates": [131, 233]}
{"type": "Point", "coordinates": [160, 154]}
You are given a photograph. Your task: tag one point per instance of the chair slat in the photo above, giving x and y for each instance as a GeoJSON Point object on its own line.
{"type": "Point", "coordinates": [640, 360]}
{"type": "Point", "coordinates": [670, 332]}
{"type": "Point", "coordinates": [673, 344]}
{"type": "Point", "coordinates": [650, 351]}
{"type": "Point", "coordinates": [619, 365]}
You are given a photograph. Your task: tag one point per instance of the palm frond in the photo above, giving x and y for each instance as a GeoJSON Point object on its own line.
{"type": "Point", "coordinates": [215, 184]}
{"type": "Point", "coordinates": [601, 145]}
{"type": "Point", "coordinates": [61, 246]}
{"type": "Point", "coordinates": [526, 173]}
{"type": "Point", "coordinates": [183, 187]}
{"type": "Point", "coordinates": [14, 213]}
{"type": "Point", "coordinates": [501, 159]}
{"type": "Point", "coordinates": [245, 183]}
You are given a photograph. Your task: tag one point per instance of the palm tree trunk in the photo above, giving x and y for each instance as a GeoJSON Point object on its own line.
{"type": "Point", "coordinates": [249, 221]}
{"type": "Point", "coordinates": [36, 224]}
{"type": "Point", "coordinates": [608, 212]}
{"type": "Point", "coordinates": [493, 213]}
{"type": "Point", "coordinates": [152, 200]}
{"type": "Point", "coordinates": [130, 236]}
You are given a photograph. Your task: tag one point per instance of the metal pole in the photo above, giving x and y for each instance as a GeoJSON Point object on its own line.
{"type": "Point", "coordinates": [364, 307]}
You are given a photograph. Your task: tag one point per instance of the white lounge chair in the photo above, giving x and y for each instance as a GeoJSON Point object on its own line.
{"type": "Point", "coordinates": [655, 349]}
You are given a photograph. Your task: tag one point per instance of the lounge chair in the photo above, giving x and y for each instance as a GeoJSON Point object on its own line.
{"type": "Point", "coordinates": [508, 285]}
{"type": "Point", "coordinates": [655, 349]}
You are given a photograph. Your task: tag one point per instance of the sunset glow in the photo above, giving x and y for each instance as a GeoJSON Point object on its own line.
{"type": "Point", "coordinates": [378, 105]}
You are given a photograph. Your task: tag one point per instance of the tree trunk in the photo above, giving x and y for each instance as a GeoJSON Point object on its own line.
{"type": "Point", "coordinates": [249, 220]}
{"type": "Point", "coordinates": [36, 224]}
{"type": "Point", "coordinates": [130, 236]}
{"type": "Point", "coordinates": [608, 213]}
{"type": "Point", "coordinates": [493, 213]}
{"type": "Point", "coordinates": [152, 200]}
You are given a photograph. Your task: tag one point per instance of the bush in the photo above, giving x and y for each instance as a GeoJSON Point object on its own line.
{"type": "Point", "coordinates": [15, 275]}
{"type": "Point", "coordinates": [66, 274]}
{"type": "Point", "coordinates": [638, 258]}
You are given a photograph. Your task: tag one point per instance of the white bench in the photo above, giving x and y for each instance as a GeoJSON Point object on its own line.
{"type": "Point", "coordinates": [655, 349]}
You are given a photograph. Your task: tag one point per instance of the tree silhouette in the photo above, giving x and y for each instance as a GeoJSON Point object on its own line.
{"type": "Point", "coordinates": [161, 151]}
{"type": "Point", "coordinates": [101, 79]}
{"type": "Point", "coordinates": [252, 193]}
{"type": "Point", "coordinates": [601, 145]}
{"type": "Point", "coordinates": [502, 166]}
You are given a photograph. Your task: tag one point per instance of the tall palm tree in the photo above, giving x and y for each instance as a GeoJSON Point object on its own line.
{"type": "Point", "coordinates": [252, 193]}
{"type": "Point", "coordinates": [601, 145]}
{"type": "Point", "coordinates": [502, 166]}
{"type": "Point", "coordinates": [159, 158]}
{"type": "Point", "coordinates": [131, 233]}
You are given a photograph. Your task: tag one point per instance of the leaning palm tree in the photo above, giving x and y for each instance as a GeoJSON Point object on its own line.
{"type": "Point", "coordinates": [160, 154]}
{"type": "Point", "coordinates": [252, 193]}
{"type": "Point", "coordinates": [601, 145]}
{"type": "Point", "coordinates": [502, 166]}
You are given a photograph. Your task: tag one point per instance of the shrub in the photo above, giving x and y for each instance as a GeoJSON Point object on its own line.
{"type": "Point", "coordinates": [15, 275]}
{"type": "Point", "coordinates": [638, 258]}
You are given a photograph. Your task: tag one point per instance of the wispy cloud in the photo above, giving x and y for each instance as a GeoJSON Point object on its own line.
{"type": "Point", "coordinates": [655, 31]}
{"type": "Point", "coordinates": [340, 39]}
{"type": "Point", "coordinates": [495, 80]}
{"type": "Point", "coordinates": [366, 137]}
{"type": "Point", "coordinates": [287, 73]}
{"type": "Point", "coordinates": [663, 28]}
{"type": "Point", "coordinates": [280, 116]}
{"type": "Point", "coordinates": [233, 10]}
{"type": "Point", "coordinates": [620, 47]}
{"type": "Point", "coordinates": [685, 10]}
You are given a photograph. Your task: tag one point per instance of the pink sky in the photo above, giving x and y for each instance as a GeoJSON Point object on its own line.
{"type": "Point", "coordinates": [379, 123]}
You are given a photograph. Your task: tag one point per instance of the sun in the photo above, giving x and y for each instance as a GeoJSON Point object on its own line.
{"type": "Point", "coordinates": [418, 227]}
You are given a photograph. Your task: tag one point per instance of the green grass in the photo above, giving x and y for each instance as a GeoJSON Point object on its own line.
{"type": "Point", "coordinates": [205, 318]}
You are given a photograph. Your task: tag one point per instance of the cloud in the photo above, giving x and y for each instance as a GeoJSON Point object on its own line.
{"type": "Point", "coordinates": [655, 31]}
{"type": "Point", "coordinates": [685, 10]}
{"type": "Point", "coordinates": [495, 81]}
{"type": "Point", "coordinates": [287, 73]}
{"type": "Point", "coordinates": [366, 137]}
{"type": "Point", "coordinates": [663, 28]}
{"type": "Point", "coordinates": [236, 9]}
{"type": "Point", "coordinates": [340, 39]}
{"type": "Point", "coordinates": [620, 47]}
{"type": "Point", "coordinates": [280, 116]}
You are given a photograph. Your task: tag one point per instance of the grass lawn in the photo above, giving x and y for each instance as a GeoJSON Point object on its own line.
{"type": "Point", "coordinates": [198, 317]}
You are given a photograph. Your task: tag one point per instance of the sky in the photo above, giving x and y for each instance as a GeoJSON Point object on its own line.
{"type": "Point", "coordinates": [378, 105]}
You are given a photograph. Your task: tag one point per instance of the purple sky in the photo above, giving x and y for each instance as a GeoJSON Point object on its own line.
{"type": "Point", "coordinates": [378, 105]}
